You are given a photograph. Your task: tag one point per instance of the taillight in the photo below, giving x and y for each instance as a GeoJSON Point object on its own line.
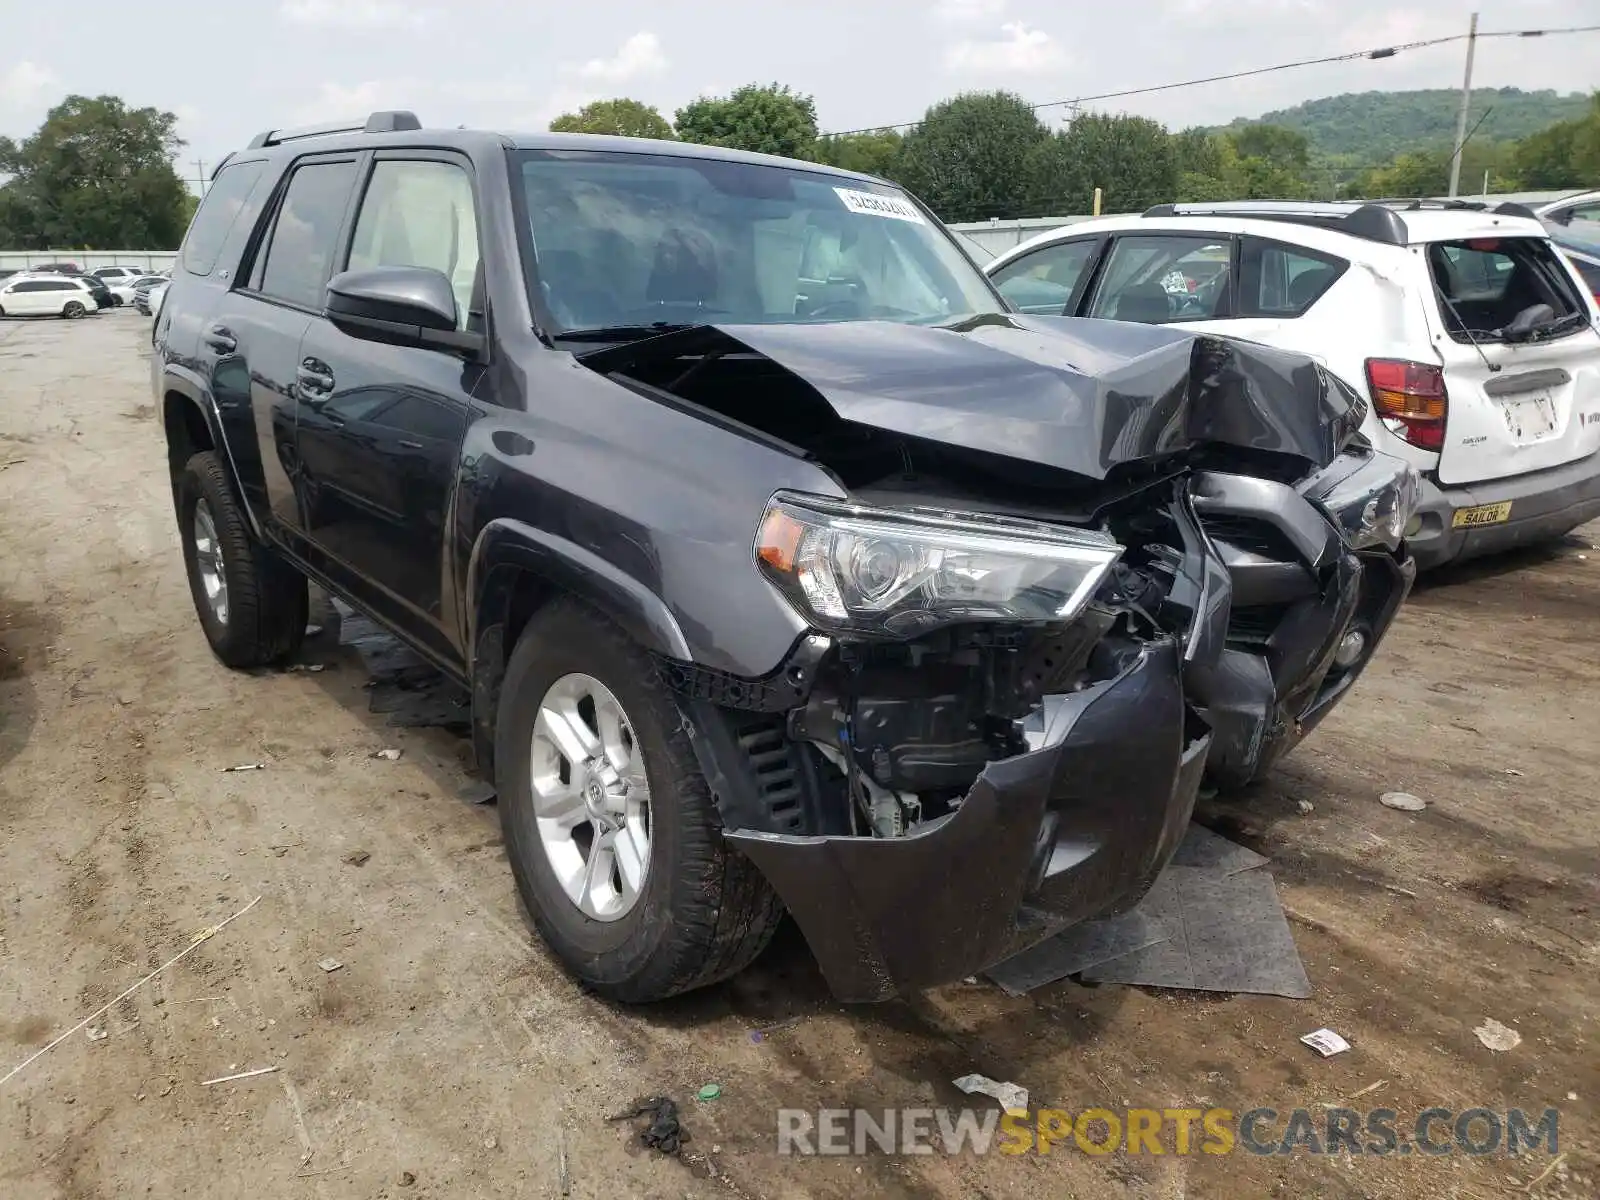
{"type": "Point", "coordinates": [1410, 398]}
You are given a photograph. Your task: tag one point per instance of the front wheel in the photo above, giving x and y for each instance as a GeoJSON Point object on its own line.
{"type": "Point", "coordinates": [72, 311]}
{"type": "Point", "coordinates": [609, 825]}
{"type": "Point", "coordinates": [252, 605]}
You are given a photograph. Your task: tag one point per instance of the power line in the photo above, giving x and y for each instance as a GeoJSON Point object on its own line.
{"type": "Point", "coordinates": [1379, 52]}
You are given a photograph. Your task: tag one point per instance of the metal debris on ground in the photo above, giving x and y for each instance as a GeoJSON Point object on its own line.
{"type": "Point", "coordinates": [388, 755]}
{"type": "Point", "coordinates": [766, 1031]}
{"type": "Point", "coordinates": [357, 858]}
{"type": "Point", "coordinates": [664, 1132]}
{"type": "Point", "coordinates": [245, 767]}
{"type": "Point", "coordinates": [1403, 801]}
{"type": "Point", "coordinates": [563, 1179]}
{"type": "Point", "coordinates": [709, 1092]}
{"type": "Point", "coordinates": [1326, 1042]}
{"type": "Point", "coordinates": [1012, 1098]}
{"type": "Point", "coordinates": [240, 1075]}
{"type": "Point", "coordinates": [1496, 1036]}
{"type": "Point", "coordinates": [329, 964]}
{"type": "Point", "coordinates": [305, 668]}
{"type": "Point", "coordinates": [96, 1033]}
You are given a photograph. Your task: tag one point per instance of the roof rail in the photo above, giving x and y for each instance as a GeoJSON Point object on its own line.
{"type": "Point", "coordinates": [388, 121]}
{"type": "Point", "coordinates": [1370, 222]}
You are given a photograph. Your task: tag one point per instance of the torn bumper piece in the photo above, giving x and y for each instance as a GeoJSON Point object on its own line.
{"type": "Point", "coordinates": [1079, 825]}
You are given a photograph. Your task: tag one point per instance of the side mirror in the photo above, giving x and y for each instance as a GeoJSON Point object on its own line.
{"type": "Point", "coordinates": [403, 306]}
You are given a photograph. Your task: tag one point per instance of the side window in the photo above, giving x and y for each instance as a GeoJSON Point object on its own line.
{"type": "Point", "coordinates": [1277, 280]}
{"type": "Point", "coordinates": [1154, 278]}
{"type": "Point", "coordinates": [420, 214]}
{"type": "Point", "coordinates": [218, 211]}
{"type": "Point", "coordinates": [305, 235]}
{"type": "Point", "coordinates": [1043, 282]}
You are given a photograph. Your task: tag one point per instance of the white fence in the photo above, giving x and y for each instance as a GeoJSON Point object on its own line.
{"type": "Point", "coordinates": [145, 260]}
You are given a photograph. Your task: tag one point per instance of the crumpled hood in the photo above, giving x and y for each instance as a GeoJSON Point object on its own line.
{"type": "Point", "coordinates": [1072, 393]}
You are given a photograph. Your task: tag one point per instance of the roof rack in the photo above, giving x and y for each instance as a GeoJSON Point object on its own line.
{"type": "Point", "coordinates": [1370, 220]}
{"type": "Point", "coordinates": [389, 121]}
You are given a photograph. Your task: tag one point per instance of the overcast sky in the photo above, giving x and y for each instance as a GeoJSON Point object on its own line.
{"type": "Point", "coordinates": [229, 69]}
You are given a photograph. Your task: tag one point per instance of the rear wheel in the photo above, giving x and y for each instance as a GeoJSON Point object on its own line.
{"type": "Point", "coordinates": [610, 827]}
{"type": "Point", "coordinates": [252, 605]}
{"type": "Point", "coordinates": [72, 310]}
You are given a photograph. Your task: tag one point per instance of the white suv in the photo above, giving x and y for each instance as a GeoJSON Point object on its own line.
{"type": "Point", "coordinates": [1473, 340]}
{"type": "Point", "coordinates": [45, 295]}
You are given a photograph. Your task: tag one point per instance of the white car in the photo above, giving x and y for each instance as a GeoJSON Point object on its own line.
{"type": "Point", "coordinates": [1574, 220]}
{"type": "Point", "coordinates": [150, 301]}
{"type": "Point", "coordinates": [117, 275]}
{"type": "Point", "coordinates": [45, 295]}
{"type": "Point", "coordinates": [1472, 338]}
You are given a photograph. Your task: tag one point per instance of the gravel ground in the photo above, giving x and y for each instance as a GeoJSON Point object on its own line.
{"type": "Point", "coordinates": [449, 1055]}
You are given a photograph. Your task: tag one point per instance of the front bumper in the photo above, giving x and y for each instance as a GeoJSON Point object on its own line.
{"type": "Point", "coordinates": [1544, 505]}
{"type": "Point", "coordinates": [1081, 824]}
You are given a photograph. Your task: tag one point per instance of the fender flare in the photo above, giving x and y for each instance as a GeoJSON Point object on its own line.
{"type": "Point", "coordinates": [193, 388]}
{"type": "Point", "coordinates": [505, 542]}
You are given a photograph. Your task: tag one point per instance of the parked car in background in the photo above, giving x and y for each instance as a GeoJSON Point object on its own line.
{"type": "Point", "coordinates": [103, 296]}
{"type": "Point", "coordinates": [57, 268]}
{"type": "Point", "coordinates": [147, 300]}
{"type": "Point", "coordinates": [1470, 337]}
{"type": "Point", "coordinates": [1587, 265]}
{"type": "Point", "coordinates": [114, 275]}
{"type": "Point", "coordinates": [1574, 221]}
{"type": "Point", "coordinates": [46, 295]}
{"type": "Point", "coordinates": [784, 566]}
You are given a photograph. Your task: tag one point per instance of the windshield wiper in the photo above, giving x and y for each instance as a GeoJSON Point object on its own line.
{"type": "Point", "coordinates": [621, 333]}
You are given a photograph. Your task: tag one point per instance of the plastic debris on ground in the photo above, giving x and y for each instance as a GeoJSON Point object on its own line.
{"type": "Point", "coordinates": [1012, 1097]}
{"type": "Point", "coordinates": [96, 1033]}
{"type": "Point", "coordinates": [388, 755]}
{"type": "Point", "coordinates": [1211, 922]}
{"type": "Point", "coordinates": [1326, 1042]}
{"type": "Point", "coordinates": [245, 767]}
{"type": "Point", "coordinates": [357, 858]}
{"type": "Point", "coordinates": [329, 964]}
{"type": "Point", "coordinates": [403, 685]}
{"type": "Point", "coordinates": [1403, 801]}
{"type": "Point", "coordinates": [710, 1092]}
{"type": "Point", "coordinates": [1496, 1036]}
{"type": "Point", "coordinates": [665, 1132]}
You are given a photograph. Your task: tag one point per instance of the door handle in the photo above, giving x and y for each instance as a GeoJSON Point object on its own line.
{"type": "Point", "coordinates": [315, 380]}
{"type": "Point", "coordinates": [407, 444]}
{"type": "Point", "coordinates": [220, 338]}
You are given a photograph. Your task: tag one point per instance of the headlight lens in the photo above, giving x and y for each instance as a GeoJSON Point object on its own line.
{"type": "Point", "coordinates": [900, 572]}
{"type": "Point", "coordinates": [1373, 504]}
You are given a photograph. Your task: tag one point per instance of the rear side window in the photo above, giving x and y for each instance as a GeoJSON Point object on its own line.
{"type": "Point", "coordinates": [1154, 278]}
{"type": "Point", "coordinates": [224, 200]}
{"type": "Point", "coordinates": [1484, 284]}
{"type": "Point", "coordinates": [1044, 282]}
{"type": "Point", "coordinates": [1277, 280]}
{"type": "Point", "coordinates": [305, 236]}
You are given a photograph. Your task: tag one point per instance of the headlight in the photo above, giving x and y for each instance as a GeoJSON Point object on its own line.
{"type": "Point", "coordinates": [901, 572]}
{"type": "Point", "coordinates": [1373, 504]}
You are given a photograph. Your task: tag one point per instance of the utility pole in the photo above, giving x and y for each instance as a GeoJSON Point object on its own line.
{"type": "Point", "coordinates": [200, 174]}
{"type": "Point", "coordinates": [1466, 103]}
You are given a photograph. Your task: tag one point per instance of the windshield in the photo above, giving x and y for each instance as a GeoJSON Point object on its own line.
{"type": "Point", "coordinates": [624, 241]}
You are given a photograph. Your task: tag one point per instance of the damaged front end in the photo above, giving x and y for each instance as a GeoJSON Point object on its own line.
{"type": "Point", "coordinates": [1025, 650]}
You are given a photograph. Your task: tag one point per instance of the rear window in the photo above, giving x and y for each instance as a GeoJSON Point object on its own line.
{"type": "Point", "coordinates": [1484, 284]}
{"type": "Point", "coordinates": [224, 200]}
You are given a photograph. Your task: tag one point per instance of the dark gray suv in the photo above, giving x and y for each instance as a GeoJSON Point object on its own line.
{"type": "Point", "coordinates": [786, 566]}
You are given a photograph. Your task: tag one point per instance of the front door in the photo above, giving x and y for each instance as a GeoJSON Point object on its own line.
{"type": "Point", "coordinates": [380, 427]}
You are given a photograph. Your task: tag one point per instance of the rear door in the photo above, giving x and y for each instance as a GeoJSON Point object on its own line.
{"type": "Point", "coordinates": [1516, 404]}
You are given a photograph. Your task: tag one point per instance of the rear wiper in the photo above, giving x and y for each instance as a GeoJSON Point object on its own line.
{"type": "Point", "coordinates": [1557, 325]}
{"type": "Point", "coordinates": [621, 333]}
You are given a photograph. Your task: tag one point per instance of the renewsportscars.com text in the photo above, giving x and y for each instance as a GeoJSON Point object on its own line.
{"type": "Point", "coordinates": [1382, 1131]}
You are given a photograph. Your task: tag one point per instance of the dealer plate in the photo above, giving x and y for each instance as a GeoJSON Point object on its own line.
{"type": "Point", "coordinates": [1481, 514]}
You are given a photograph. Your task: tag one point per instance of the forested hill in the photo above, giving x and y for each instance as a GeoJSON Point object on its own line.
{"type": "Point", "coordinates": [1380, 125]}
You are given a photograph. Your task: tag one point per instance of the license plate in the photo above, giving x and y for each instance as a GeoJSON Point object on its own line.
{"type": "Point", "coordinates": [1530, 416]}
{"type": "Point", "coordinates": [1481, 514]}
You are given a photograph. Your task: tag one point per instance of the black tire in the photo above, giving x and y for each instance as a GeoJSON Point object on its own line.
{"type": "Point", "coordinates": [705, 912]}
{"type": "Point", "coordinates": [71, 311]}
{"type": "Point", "coordinates": [267, 598]}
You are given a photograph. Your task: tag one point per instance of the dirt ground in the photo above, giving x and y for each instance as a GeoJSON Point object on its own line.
{"type": "Point", "coordinates": [449, 1055]}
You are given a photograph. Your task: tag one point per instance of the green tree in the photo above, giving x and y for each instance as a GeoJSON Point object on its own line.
{"type": "Point", "coordinates": [1130, 159]}
{"type": "Point", "coordinates": [1564, 155]}
{"type": "Point", "coordinates": [95, 174]}
{"type": "Point", "coordinates": [622, 117]}
{"type": "Point", "coordinates": [874, 153]}
{"type": "Point", "coordinates": [969, 158]}
{"type": "Point", "coordinates": [769, 119]}
{"type": "Point", "coordinates": [1267, 162]}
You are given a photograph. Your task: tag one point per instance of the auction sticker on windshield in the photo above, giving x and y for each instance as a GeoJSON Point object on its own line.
{"type": "Point", "coordinates": [873, 205]}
